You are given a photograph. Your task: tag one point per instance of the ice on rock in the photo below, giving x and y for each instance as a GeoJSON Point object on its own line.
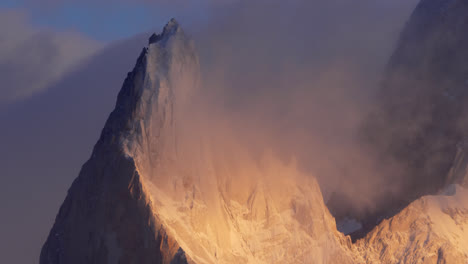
{"type": "Point", "coordinates": [157, 190]}
{"type": "Point", "coordinates": [153, 193]}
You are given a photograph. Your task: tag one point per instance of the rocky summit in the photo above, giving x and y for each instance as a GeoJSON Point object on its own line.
{"type": "Point", "coordinates": [146, 196]}
{"type": "Point", "coordinates": [157, 189]}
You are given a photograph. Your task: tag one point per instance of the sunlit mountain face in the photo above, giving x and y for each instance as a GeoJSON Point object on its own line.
{"type": "Point", "coordinates": [177, 177]}
{"type": "Point", "coordinates": [417, 129]}
{"type": "Point", "coordinates": [185, 179]}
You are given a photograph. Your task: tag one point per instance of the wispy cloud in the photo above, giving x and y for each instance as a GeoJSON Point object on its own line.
{"type": "Point", "coordinates": [32, 58]}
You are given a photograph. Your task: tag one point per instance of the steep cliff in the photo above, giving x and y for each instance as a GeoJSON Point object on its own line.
{"type": "Point", "coordinates": [420, 112]}
{"type": "Point", "coordinates": [166, 183]}
{"type": "Point", "coordinates": [159, 189]}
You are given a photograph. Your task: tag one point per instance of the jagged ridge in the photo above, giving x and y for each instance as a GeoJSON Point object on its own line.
{"type": "Point", "coordinates": [107, 215]}
{"type": "Point", "coordinates": [143, 198]}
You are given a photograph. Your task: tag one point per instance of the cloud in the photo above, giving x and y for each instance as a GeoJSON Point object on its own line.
{"type": "Point", "coordinates": [48, 138]}
{"type": "Point", "coordinates": [292, 76]}
{"type": "Point", "coordinates": [299, 78]}
{"type": "Point", "coordinates": [32, 58]}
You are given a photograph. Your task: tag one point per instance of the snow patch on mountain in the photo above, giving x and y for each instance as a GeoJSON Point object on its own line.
{"type": "Point", "coordinates": [166, 186]}
{"type": "Point", "coordinates": [432, 229]}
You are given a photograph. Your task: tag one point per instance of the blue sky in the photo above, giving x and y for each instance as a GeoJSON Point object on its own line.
{"type": "Point", "coordinates": [102, 20]}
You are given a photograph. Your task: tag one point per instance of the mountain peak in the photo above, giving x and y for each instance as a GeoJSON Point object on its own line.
{"type": "Point", "coordinates": [165, 73]}
{"type": "Point", "coordinates": [171, 25]}
{"type": "Point", "coordinates": [138, 138]}
{"type": "Point", "coordinates": [171, 28]}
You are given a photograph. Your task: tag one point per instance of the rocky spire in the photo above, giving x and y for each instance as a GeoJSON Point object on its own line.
{"type": "Point", "coordinates": [171, 28]}
{"type": "Point", "coordinates": [143, 199]}
{"type": "Point", "coordinates": [108, 216]}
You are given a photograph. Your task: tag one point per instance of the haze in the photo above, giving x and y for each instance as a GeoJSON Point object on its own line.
{"type": "Point", "coordinates": [295, 78]}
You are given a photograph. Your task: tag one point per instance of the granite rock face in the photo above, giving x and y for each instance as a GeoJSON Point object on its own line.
{"type": "Point", "coordinates": [108, 216]}
{"type": "Point", "coordinates": [458, 173]}
{"type": "Point", "coordinates": [420, 127]}
{"type": "Point", "coordinates": [156, 191]}
{"type": "Point", "coordinates": [162, 188]}
{"type": "Point", "coordinates": [421, 110]}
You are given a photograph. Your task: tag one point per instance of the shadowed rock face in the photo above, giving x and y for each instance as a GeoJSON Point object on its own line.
{"type": "Point", "coordinates": [425, 92]}
{"type": "Point", "coordinates": [421, 113]}
{"type": "Point", "coordinates": [107, 216]}
{"type": "Point", "coordinates": [148, 196]}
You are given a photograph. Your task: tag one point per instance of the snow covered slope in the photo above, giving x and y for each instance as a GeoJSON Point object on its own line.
{"type": "Point", "coordinates": [157, 190]}
{"type": "Point", "coordinates": [167, 184]}
{"type": "Point", "coordinates": [108, 216]}
{"type": "Point", "coordinates": [432, 229]}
